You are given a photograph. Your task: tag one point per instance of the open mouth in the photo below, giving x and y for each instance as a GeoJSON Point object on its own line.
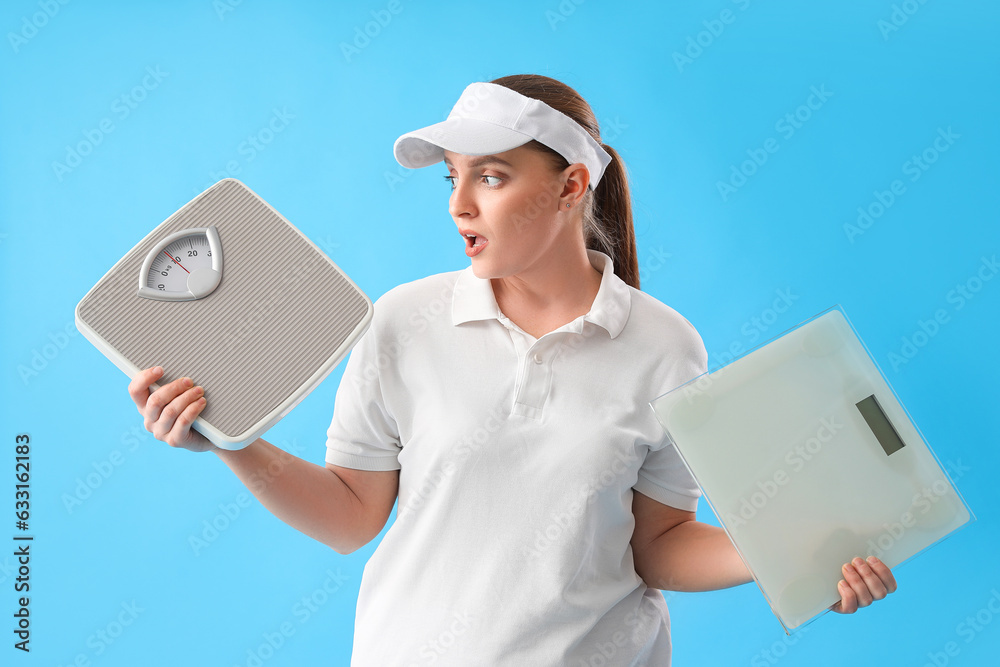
{"type": "Point", "coordinates": [474, 241]}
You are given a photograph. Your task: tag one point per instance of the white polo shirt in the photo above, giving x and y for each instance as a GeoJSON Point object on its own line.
{"type": "Point", "coordinates": [517, 460]}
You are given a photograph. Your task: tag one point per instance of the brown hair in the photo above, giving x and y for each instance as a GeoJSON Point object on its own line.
{"type": "Point", "coordinates": [607, 211]}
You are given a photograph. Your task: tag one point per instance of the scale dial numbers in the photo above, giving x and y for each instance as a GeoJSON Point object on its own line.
{"type": "Point", "coordinates": [173, 264]}
{"type": "Point", "coordinates": [184, 266]}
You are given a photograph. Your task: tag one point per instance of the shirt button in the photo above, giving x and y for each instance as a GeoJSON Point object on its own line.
{"type": "Point", "coordinates": [537, 358]}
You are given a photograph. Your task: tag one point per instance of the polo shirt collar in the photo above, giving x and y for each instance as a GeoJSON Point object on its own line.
{"type": "Point", "coordinates": [473, 298]}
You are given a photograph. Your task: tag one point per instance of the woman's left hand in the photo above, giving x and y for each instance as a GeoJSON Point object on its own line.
{"type": "Point", "coordinates": [863, 583]}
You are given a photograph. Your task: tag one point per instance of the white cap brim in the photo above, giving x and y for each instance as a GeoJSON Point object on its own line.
{"type": "Point", "coordinates": [488, 119]}
{"type": "Point", "coordinates": [468, 136]}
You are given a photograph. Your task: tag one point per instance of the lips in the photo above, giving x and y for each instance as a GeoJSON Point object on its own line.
{"type": "Point", "coordinates": [474, 243]}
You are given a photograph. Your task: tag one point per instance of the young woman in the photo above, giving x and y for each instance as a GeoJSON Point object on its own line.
{"type": "Point", "coordinates": [506, 407]}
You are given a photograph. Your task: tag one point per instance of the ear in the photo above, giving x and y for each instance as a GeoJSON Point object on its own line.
{"type": "Point", "coordinates": [575, 187]}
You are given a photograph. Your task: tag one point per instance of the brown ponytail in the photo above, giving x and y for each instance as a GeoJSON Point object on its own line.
{"type": "Point", "coordinates": [607, 212]}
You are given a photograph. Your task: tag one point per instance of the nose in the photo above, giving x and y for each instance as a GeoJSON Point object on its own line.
{"type": "Point", "coordinates": [462, 204]}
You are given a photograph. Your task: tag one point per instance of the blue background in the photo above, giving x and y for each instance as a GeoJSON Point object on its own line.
{"type": "Point", "coordinates": [687, 94]}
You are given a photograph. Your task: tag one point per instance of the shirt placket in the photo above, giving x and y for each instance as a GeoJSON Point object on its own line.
{"type": "Point", "coordinates": [534, 369]}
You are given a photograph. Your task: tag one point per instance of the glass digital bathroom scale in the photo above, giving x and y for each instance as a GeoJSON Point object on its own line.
{"type": "Point", "coordinates": [227, 292]}
{"type": "Point", "coordinates": [808, 459]}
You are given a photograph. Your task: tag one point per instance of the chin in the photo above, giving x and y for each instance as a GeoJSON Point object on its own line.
{"type": "Point", "coordinates": [486, 270]}
{"type": "Point", "coordinates": [481, 271]}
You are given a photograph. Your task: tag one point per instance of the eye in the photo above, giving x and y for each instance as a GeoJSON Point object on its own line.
{"type": "Point", "coordinates": [490, 184]}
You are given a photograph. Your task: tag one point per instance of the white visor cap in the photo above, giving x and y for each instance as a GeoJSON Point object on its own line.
{"type": "Point", "coordinates": [489, 118]}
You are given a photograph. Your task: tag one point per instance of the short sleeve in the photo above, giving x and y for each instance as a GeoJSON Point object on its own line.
{"type": "Point", "coordinates": [664, 476]}
{"type": "Point", "coordinates": [362, 433]}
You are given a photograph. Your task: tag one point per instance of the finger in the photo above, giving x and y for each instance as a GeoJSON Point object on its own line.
{"type": "Point", "coordinates": [182, 425]}
{"type": "Point", "coordinates": [168, 416]}
{"type": "Point", "coordinates": [854, 579]}
{"type": "Point", "coordinates": [872, 581]}
{"type": "Point", "coordinates": [162, 397]}
{"type": "Point", "coordinates": [884, 573]}
{"type": "Point", "coordinates": [138, 388]}
{"type": "Point", "coordinates": [848, 601]}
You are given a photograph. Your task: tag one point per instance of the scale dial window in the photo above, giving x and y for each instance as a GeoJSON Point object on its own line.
{"type": "Point", "coordinates": [186, 265]}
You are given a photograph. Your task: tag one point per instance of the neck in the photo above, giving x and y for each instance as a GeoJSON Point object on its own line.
{"type": "Point", "coordinates": [547, 296]}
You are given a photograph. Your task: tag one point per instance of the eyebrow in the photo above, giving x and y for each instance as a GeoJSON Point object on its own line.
{"type": "Point", "coordinates": [480, 161]}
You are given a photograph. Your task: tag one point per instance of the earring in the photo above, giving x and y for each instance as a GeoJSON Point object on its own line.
{"type": "Point", "coordinates": [567, 205]}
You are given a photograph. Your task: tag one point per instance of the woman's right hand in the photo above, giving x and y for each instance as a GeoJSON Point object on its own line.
{"type": "Point", "coordinates": [169, 411]}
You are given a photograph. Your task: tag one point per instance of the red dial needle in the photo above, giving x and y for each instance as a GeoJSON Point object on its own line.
{"type": "Point", "coordinates": [176, 261]}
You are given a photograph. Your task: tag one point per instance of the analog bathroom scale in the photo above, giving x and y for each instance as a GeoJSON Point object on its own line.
{"type": "Point", "coordinates": [808, 459]}
{"type": "Point", "coordinates": [227, 292]}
